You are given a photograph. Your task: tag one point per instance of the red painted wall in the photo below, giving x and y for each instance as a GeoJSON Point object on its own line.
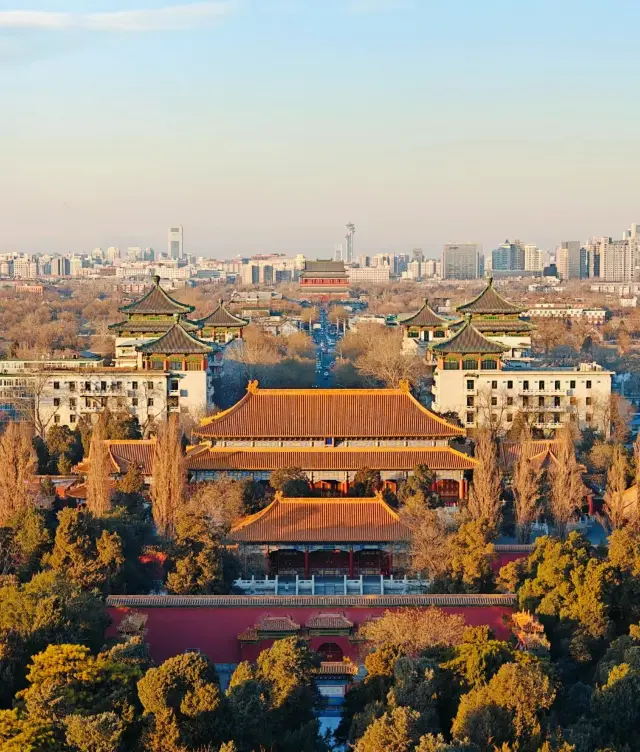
{"type": "Point", "coordinates": [214, 631]}
{"type": "Point", "coordinates": [505, 557]}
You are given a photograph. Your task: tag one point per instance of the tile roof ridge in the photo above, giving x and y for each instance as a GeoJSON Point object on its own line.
{"type": "Point", "coordinates": [256, 515]}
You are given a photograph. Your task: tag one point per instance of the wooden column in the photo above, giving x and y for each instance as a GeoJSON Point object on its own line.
{"type": "Point", "coordinates": [306, 563]}
{"type": "Point", "coordinates": [267, 562]}
{"type": "Point", "coordinates": [351, 563]}
{"type": "Point", "coordinates": [390, 562]}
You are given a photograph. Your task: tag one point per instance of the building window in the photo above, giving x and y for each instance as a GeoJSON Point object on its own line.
{"type": "Point", "coordinates": [556, 401]}
{"type": "Point", "coordinates": [589, 417]}
{"type": "Point", "coordinates": [56, 385]}
{"type": "Point", "coordinates": [509, 418]}
{"type": "Point", "coordinates": [150, 402]}
{"type": "Point", "coordinates": [540, 418]}
{"type": "Point", "coordinates": [489, 365]}
{"type": "Point", "coordinates": [72, 386]}
{"type": "Point", "coordinates": [56, 401]}
{"type": "Point", "coordinates": [494, 384]}
{"type": "Point", "coordinates": [588, 384]}
{"type": "Point", "coordinates": [157, 365]}
{"type": "Point", "coordinates": [509, 384]}
{"type": "Point", "coordinates": [452, 365]}
{"type": "Point", "coordinates": [470, 384]}
{"type": "Point", "coordinates": [194, 365]}
{"type": "Point", "coordinates": [494, 402]}
{"type": "Point", "coordinates": [588, 400]}
{"type": "Point", "coordinates": [175, 365]}
{"type": "Point", "coordinates": [118, 385]}
{"type": "Point", "coordinates": [541, 385]}
{"type": "Point", "coordinates": [149, 384]}
{"type": "Point", "coordinates": [470, 363]}
{"type": "Point", "coordinates": [469, 401]}
{"type": "Point", "coordinates": [103, 386]}
{"type": "Point", "coordinates": [134, 385]}
{"type": "Point", "coordinates": [134, 401]}
{"type": "Point", "coordinates": [525, 402]}
{"type": "Point", "coordinates": [56, 419]}
{"type": "Point", "coordinates": [525, 386]}
{"type": "Point", "coordinates": [470, 418]}
{"type": "Point", "coordinates": [174, 385]}
{"type": "Point", "coordinates": [328, 442]}
{"type": "Point", "coordinates": [540, 401]}
{"type": "Point", "coordinates": [556, 418]}
{"type": "Point", "coordinates": [87, 386]}
{"type": "Point", "coordinates": [72, 403]}
{"type": "Point", "coordinates": [557, 385]}
{"type": "Point", "coordinates": [572, 384]}
{"type": "Point", "coordinates": [509, 400]}
{"type": "Point", "coordinates": [72, 419]}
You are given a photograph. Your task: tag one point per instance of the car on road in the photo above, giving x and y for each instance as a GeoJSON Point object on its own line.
{"type": "Point", "coordinates": [326, 374]}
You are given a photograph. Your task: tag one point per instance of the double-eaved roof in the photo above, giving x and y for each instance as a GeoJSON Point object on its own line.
{"type": "Point", "coordinates": [426, 316]}
{"type": "Point", "coordinates": [489, 302]}
{"type": "Point", "coordinates": [157, 302]}
{"type": "Point", "coordinates": [469, 341]}
{"type": "Point", "coordinates": [327, 413]}
{"type": "Point", "coordinates": [266, 459]}
{"type": "Point", "coordinates": [221, 316]}
{"type": "Point", "coordinates": [176, 340]}
{"type": "Point", "coordinates": [323, 269]}
{"type": "Point", "coordinates": [322, 520]}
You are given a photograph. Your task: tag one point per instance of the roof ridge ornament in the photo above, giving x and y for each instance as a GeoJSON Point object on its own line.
{"type": "Point", "coordinates": [404, 386]}
{"type": "Point", "coordinates": [156, 280]}
{"type": "Point", "coordinates": [252, 386]}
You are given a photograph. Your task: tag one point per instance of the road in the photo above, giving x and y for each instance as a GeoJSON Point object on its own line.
{"type": "Point", "coordinates": [325, 351]}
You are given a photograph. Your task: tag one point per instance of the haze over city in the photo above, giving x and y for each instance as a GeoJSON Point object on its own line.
{"type": "Point", "coordinates": [421, 122]}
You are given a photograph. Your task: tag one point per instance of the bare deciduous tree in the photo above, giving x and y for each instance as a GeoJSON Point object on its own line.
{"type": "Point", "coordinates": [484, 495]}
{"type": "Point", "coordinates": [97, 481]}
{"type": "Point", "coordinates": [567, 489]}
{"type": "Point", "coordinates": [18, 462]}
{"type": "Point", "coordinates": [430, 532]}
{"type": "Point", "coordinates": [169, 477]}
{"type": "Point", "coordinates": [615, 508]}
{"type": "Point", "coordinates": [414, 629]}
{"type": "Point", "coordinates": [526, 485]}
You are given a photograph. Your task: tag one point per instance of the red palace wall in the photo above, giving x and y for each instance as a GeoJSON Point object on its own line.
{"type": "Point", "coordinates": [214, 630]}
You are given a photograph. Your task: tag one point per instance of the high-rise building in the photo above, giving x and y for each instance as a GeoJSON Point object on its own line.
{"type": "Point", "coordinates": [348, 254]}
{"type": "Point", "coordinates": [461, 260]}
{"type": "Point", "coordinates": [175, 244]}
{"type": "Point", "coordinates": [533, 258]}
{"type": "Point", "coordinates": [508, 257]}
{"type": "Point", "coordinates": [617, 260]}
{"type": "Point", "coordinates": [568, 256]}
{"type": "Point", "coordinates": [337, 252]}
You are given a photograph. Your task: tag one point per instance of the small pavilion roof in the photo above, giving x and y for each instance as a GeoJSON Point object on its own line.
{"type": "Point", "coordinates": [426, 316]}
{"type": "Point", "coordinates": [541, 452]}
{"type": "Point", "coordinates": [176, 340]}
{"type": "Point", "coordinates": [123, 453]}
{"type": "Point", "coordinates": [157, 302]}
{"type": "Point", "coordinates": [328, 621]}
{"type": "Point", "coordinates": [267, 459]}
{"type": "Point", "coordinates": [468, 340]}
{"type": "Point", "coordinates": [322, 520]}
{"type": "Point", "coordinates": [505, 325]}
{"type": "Point", "coordinates": [295, 413]}
{"type": "Point", "coordinates": [152, 327]}
{"type": "Point", "coordinates": [220, 316]}
{"type": "Point", "coordinates": [489, 302]}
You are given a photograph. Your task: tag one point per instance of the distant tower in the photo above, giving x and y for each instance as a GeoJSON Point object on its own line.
{"type": "Point", "coordinates": [176, 247]}
{"type": "Point", "coordinates": [348, 256]}
{"type": "Point", "coordinates": [337, 253]}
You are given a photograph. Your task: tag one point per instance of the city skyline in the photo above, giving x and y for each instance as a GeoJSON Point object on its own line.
{"type": "Point", "coordinates": [169, 113]}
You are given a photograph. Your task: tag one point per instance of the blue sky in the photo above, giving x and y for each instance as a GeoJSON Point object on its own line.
{"type": "Point", "coordinates": [266, 125]}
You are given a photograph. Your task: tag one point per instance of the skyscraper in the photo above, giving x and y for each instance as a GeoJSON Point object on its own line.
{"type": "Point", "coordinates": [175, 245]}
{"type": "Point", "coordinates": [568, 258]}
{"type": "Point", "coordinates": [461, 260]}
{"type": "Point", "coordinates": [533, 258]}
{"type": "Point", "coordinates": [348, 254]}
{"type": "Point", "coordinates": [508, 257]}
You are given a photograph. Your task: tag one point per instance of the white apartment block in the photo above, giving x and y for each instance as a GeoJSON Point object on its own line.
{"type": "Point", "coordinates": [461, 260]}
{"type": "Point", "coordinates": [618, 260]}
{"type": "Point", "coordinates": [533, 258]}
{"type": "Point", "coordinates": [379, 275]}
{"type": "Point", "coordinates": [550, 396]}
{"type": "Point", "coordinates": [596, 316]}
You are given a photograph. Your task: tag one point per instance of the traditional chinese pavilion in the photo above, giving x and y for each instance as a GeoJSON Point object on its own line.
{"type": "Point", "coordinates": [153, 314]}
{"type": "Point", "coordinates": [324, 279]}
{"type": "Point", "coordinates": [497, 318]}
{"type": "Point", "coordinates": [330, 434]}
{"type": "Point", "coordinates": [426, 325]}
{"type": "Point", "coordinates": [221, 325]}
{"type": "Point", "coordinates": [468, 349]}
{"type": "Point", "coordinates": [329, 537]}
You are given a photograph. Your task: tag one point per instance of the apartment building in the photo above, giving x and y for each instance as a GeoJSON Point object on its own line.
{"type": "Point", "coordinates": [593, 315]}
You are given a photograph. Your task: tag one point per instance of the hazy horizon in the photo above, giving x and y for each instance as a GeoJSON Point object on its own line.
{"type": "Point", "coordinates": [267, 125]}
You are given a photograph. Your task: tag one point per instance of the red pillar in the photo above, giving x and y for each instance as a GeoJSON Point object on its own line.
{"type": "Point", "coordinates": [461, 489]}
{"type": "Point", "coordinates": [306, 564]}
{"type": "Point", "coordinates": [390, 563]}
{"type": "Point", "coordinates": [267, 562]}
{"type": "Point", "coordinates": [351, 564]}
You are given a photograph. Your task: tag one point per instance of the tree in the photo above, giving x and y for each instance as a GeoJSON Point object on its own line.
{"type": "Point", "coordinates": [64, 449]}
{"type": "Point", "coordinates": [615, 507]}
{"type": "Point", "coordinates": [183, 704]}
{"type": "Point", "coordinates": [478, 657]}
{"type": "Point", "coordinates": [291, 481]}
{"type": "Point", "coordinates": [169, 476]}
{"type": "Point", "coordinates": [484, 495]}
{"type": "Point", "coordinates": [526, 485]}
{"type": "Point", "coordinates": [223, 500]}
{"type": "Point", "coordinates": [469, 558]}
{"type": "Point", "coordinates": [98, 476]}
{"type": "Point", "coordinates": [419, 488]}
{"type": "Point", "coordinates": [197, 562]}
{"type": "Point", "coordinates": [18, 462]}
{"type": "Point", "coordinates": [102, 732]}
{"type": "Point", "coordinates": [84, 553]}
{"type": "Point", "coordinates": [413, 629]}
{"type": "Point", "coordinates": [511, 708]}
{"type": "Point", "coordinates": [567, 489]}
{"type": "Point", "coordinates": [366, 482]}
{"type": "Point", "coordinates": [430, 532]}
{"type": "Point", "coordinates": [395, 731]}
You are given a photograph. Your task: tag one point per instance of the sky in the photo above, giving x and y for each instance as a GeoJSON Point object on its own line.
{"type": "Point", "coordinates": [267, 125]}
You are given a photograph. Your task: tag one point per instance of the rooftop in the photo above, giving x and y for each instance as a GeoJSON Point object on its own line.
{"type": "Point", "coordinates": [489, 302]}
{"type": "Point", "coordinates": [425, 317]}
{"type": "Point", "coordinates": [220, 316]}
{"type": "Point", "coordinates": [322, 520]}
{"type": "Point", "coordinates": [177, 340]}
{"type": "Point", "coordinates": [320, 413]}
{"type": "Point", "coordinates": [157, 302]}
{"type": "Point", "coordinates": [468, 340]}
{"type": "Point", "coordinates": [126, 452]}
